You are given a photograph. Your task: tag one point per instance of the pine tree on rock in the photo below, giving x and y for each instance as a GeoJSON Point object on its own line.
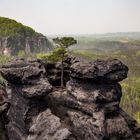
{"type": "Point", "coordinates": [60, 52]}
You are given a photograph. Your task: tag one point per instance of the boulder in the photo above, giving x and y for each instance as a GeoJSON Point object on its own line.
{"type": "Point", "coordinates": [100, 70]}
{"type": "Point", "coordinates": [22, 72]}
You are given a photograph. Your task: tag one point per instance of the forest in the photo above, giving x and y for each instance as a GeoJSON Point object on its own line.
{"type": "Point", "coordinates": [12, 28]}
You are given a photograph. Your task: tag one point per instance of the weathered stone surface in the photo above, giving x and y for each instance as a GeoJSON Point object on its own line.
{"type": "Point", "coordinates": [40, 88]}
{"type": "Point", "coordinates": [47, 126]}
{"type": "Point", "coordinates": [30, 44]}
{"type": "Point", "coordinates": [27, 87]}
{"type": "Point", "coordinates": [4, 106]}
{"type": "Point", "coordinates": [89, 105]}
{"type": "Point", "coordinates": [86, 127]}
{"type": "Point", "coordinates": [86, 109]}
{"type": "Point", "coordinates": [21, 113]}
{"type": "Point", "coordinates": [92, 92]}
{"type": "Point", "coordinates": [54, 73]}
{"type": "Point", "coordinates": [100, 70]}
{"type": "Point", "coordinates": [91, 120]}
{"type": "Point", "coordinates": [22, 72]}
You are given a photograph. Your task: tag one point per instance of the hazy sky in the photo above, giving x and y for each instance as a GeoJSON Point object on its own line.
{"type": "Point", "coordinates": [75, 16]}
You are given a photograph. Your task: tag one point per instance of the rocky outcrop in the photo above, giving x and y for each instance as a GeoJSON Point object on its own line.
{"type": "Point", "coordinates": [105, 71]}
{"type": "Point", "coordinates": [90, 104]}
{"type": "Point", "coordinates": [28, 86]}
{"type": "Point", "coordinates": [12, 45]}
{"type": "Point", "coordinates": [86, 109]}
{"type": "Point", "coordinates": [36, 44]}
{"type": "Point", "coordinates": [15, 37]}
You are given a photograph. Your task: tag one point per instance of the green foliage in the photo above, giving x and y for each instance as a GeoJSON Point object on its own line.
{"type": "Point", "coordinates": [138, 53]}
{"type": "Point", "coordinates": [9, 27]}
{"type": "Point", "coordinates": [87, 54]}
{"type": "Point", "coordinates": [43, 56]}
{"type": "Point", "coordinates": [64, 41]}
{"type": "Point", "coordinates": [54, 56]}
{"type": "Point", "coordinates": [16, 34]}
{"type": "Point", "coordinates": [4, 59]}
{"type": "Point", "coordinates": [46, 57]}
{"type": "Point", "coordinates": [135, 42]}
{"type": "Point", "coordinates": [131, 97]}
{"type": "Point", "coordinates": [137, 116]}
{"type": "Point", "coordinates": [21, 54]}
{"type": "Point", "coordinates": [59, 53]}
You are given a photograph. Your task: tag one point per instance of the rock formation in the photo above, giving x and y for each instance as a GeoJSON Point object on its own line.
{"type": "Point", "coordinates": [86, 109]}
{"type": "Point", "coordinates": [13, 45]}
{"type": "Point", "coordinates": [15, 37]}
{"type": "Point", "coordinates": [4, 105]}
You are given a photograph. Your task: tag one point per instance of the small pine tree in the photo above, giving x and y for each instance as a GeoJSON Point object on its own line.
{"type": "Point", "coordinates": [61, 52]}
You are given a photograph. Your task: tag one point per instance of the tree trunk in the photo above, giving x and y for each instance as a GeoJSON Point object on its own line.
{"type": "Point", "coordinates": [62, 72]}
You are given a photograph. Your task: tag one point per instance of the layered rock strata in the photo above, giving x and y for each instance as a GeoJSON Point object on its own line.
{"type": "Point", "coordinates": [86, 109]}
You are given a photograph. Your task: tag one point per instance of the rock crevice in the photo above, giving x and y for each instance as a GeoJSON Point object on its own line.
{"type": "Point", "coordinates": [86, 109]}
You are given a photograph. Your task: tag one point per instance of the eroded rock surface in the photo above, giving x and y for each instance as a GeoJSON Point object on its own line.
{"type": "Point", "coordinates": [49, 126]}
{"type": "Point", "coordinates": [100, 70]}
{"type": "Point", "coordinates": [54, 73]}
{"type": "Point", "coordinates": [86, 109]}
{"type": "Point", "coordinates": [26, 90]}
{"type": "Point", "coordinates": [12, 45]}
{"type": "Point", "coordinates": [4, 106]}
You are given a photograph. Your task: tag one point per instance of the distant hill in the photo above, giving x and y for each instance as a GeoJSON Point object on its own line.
{"type": "Point", "coordinates": [15, 36]}
{"type": "Point", "coordinates": [10, 27]}
{"type": "Point", "coordinates": [113, 36]}
{"type": "Point", "coordinates": [108, 42]}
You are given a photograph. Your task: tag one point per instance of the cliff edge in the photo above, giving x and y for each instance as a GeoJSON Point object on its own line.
{"type": "Point", "coordinates": [15, 37]}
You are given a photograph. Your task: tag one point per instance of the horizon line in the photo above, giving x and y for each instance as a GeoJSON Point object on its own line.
{"type": "Point", "coordinates": [104, 33]}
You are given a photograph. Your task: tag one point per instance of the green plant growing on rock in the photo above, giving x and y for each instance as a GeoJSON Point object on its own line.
{"type": "Point", "coordinates": [22, 54]}
{"type": "Point", "coordinates": [4, 59]}
{"type": "Point", "coordinates": [60, 52]}
{"type": "Point", "coordinates": [43, 56]}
